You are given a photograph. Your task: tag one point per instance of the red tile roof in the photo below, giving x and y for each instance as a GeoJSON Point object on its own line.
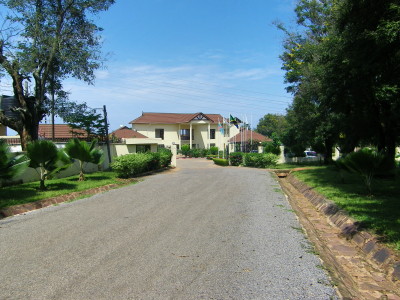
{"type": "Point", "coordinates": [127, 133]}
{"type": "Point", "coordinates": [246, 135]}
{"type": "Point", "coordinates": [173, 118]}
{"type": "Point", "coordinates": [61, 131]}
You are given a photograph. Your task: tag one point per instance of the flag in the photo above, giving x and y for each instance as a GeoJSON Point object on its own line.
{"type": "Point", "coordinates": [220, 128]}
{"type": "Point", "coordinates": [234, 121]}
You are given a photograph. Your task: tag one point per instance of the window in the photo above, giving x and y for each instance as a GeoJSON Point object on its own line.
{"type": "Point", "coordinates": [142, 148]}
{"type": "Point", "coordinates": [212, 134]}
{"type": "Point", "coordinates": [160, 133]}
{"type": "Point", "coordinates": [212, 145]}
{"type": "Point", "coordinates": [185, 134]}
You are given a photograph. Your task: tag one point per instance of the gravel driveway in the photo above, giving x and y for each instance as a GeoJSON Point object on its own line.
{"type": "Point", "coordinates": [198, 232]}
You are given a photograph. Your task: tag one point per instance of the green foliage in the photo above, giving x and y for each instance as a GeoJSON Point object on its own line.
{"type": "Point", "coordinates": [204, 152]}
{"type": "Point", "coordinates": [45, 42]}
{"type": "Point", "coordinates": [165, 157]}
{"type": "Point", "coordinates": [270, 147]}
{"type": "Point", "coordinates": [28, 192]}
{"type": "Point", "coordinates": [130, 165]}
{"type": "Point", "coordinates": [236, 158]}
{"type": "Point", "coordinates": [10, 165]}
{"type": "Point", "coordinates": [365, 162]}
{"type": "Point", "coordinates": [194, 153]}
{"type": "Point", "coordinates": [272, 124]}
{"type": "Point", "coordinates": [80, 116]}
{"type": "Point", "coordinates": [47, 158]}
{"type": "Point", "coordinates": [214, 150]}
{"type": "Point", "coordinates": [377, 213]}
{"type": "Point", "coordinates": [84, 153]}
{"type": "Point", "coordinates": [185, 150]}
{"type": "Point", "coordinates": [211, 156]}
{"type": "Point", "coordinates": [221, 162]}
{"type": "Point", "coordinates": [260, 160]}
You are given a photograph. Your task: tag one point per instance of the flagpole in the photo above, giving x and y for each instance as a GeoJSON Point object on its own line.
{"type": "Point", "coordinates": [251, 132]}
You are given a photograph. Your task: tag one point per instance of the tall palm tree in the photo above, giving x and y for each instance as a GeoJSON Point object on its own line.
{"type": "Point", "coordinates": [84, 153]}
{"type": "Point", "coordinates": [47, 158]}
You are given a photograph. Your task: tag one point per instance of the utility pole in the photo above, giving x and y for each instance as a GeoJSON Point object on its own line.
{"type": "Point", "coordinates": [106, 128]}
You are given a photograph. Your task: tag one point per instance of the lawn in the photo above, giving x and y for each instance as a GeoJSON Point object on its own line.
{"type": "Point", "coordinates": [378, 213]}
{"type": "Point", "coordinates": [28, 192]}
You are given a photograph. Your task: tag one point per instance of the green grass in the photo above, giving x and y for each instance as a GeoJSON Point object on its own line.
{"type": "Point", "coordinates": [28, 192]}
{"type": "Point", "coordinates": [288, 166]}
{"type": "Point", "coordinates": [378, 213]}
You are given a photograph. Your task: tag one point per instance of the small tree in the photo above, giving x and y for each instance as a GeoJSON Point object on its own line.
{"type": "Point", "coordinates": [84, 153]}
{"type": "Point", "coordinates": [47, 158]}
{"type": "Point", "coordinates": [10, 165]}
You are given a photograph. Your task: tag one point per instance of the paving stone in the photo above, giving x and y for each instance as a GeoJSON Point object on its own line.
{"type": "Point", "coordinates": [396, 271]}
{"type": "Point", "coordinates": [381, 256]}
{"type": "Point", "coordinates": [358, 239]}
{"type": "Point", "coordinates": [371, 245]}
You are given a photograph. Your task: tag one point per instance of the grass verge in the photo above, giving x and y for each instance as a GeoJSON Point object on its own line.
{"type": "Point", "coordinates": [378, 213]}
{"type": "Point", "coordinates": [28, 192]}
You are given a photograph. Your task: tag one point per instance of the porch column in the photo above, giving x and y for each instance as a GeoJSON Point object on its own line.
{"type": "Point", "coordinates": [190, 135]}
{"type": "Point", "coordinates": [179, 137]}
{"type": "Point", "coordinates": [208, 136]}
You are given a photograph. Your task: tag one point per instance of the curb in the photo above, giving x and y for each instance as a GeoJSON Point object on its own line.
{"type": "Point", "coordinates": [377, 254]}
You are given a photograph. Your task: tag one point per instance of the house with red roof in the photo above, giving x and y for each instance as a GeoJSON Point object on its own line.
{"type": "Point", "coordinates": [198, 130]}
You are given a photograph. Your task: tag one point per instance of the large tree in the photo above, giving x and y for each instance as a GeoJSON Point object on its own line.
{"type": "Point", "coordinates": [272, 125]}
{"type": "Point", "coordinates": [45, 41]}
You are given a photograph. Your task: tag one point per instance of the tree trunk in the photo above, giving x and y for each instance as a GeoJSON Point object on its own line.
{"type": "Point", "coordinates": [328, 152]}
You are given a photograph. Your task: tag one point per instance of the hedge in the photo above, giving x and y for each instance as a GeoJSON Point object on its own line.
{"type": "Point", "coordinates": [136, 163]}
{"type": "Point", "coordinates": [221, 162]}
{"type": "Point", "coordinates": [236, 158]}
{"type": "Point", "coordinates": [260, 160]}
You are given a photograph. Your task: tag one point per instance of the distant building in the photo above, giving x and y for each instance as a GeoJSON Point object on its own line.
{"type": "Point", "coordinates": [198, 130]}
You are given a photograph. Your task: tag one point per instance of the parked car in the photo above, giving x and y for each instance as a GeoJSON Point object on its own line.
{"type": "Point", "coordinates": [310, 154]}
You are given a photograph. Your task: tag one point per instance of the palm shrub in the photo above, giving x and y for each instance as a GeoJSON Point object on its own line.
{"type": "Point", "coordinates": [47, 159]}
{"type": "Point", "coordinates": [236, 158]}
{"type": "Point", "coordinates": [84, 153]}
{"type": "Point", "coordinates": [365, 162]}
{"type": "Point", "coordinates": [11, 165]}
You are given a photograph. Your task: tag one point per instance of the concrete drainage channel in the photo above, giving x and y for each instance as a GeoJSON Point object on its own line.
{"type": "Point", "coordinates": [360, 267]}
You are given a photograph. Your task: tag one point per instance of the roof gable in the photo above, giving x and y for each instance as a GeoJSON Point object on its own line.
{"type": "Point", "coordinates": [246, 135]}
{"type": "Point", "coordinates": [174, 118]}
{"type": "Point", "coordinates": [127, 133]}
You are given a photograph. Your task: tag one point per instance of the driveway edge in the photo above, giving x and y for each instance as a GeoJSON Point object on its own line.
{"type": "Point", "coordinates": [360, 266]}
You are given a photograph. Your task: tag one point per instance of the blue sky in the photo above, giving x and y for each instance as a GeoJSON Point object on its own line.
{"type": "Point", "coordinates": [186, 56]}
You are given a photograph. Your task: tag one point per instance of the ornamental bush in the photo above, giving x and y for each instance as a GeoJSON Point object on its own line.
{"type": "Point", "coordinates": [260, 160]}
{"type": "Point", "coordinates": [185, 149]}
{"type": "Point", "coordinates": [165, 157]}
{"type": "Point", "coordinates": [236, 158]}
{"type": "Point", "coordinates": [221, 162]}
{"type": "Point", "coordinates": [214, 150]}
{"type": "Point", "coordinates": [204, 152]}
{"type": "Point", "coordinates": [136, 163]}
